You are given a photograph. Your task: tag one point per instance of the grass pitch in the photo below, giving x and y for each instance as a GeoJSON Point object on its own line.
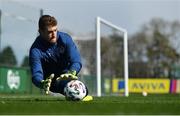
{"type": "Point", "coordinates": [164, 104]}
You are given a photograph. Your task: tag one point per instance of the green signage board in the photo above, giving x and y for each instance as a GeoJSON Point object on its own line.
{"type": "Point", "coordinates": [13, 80]}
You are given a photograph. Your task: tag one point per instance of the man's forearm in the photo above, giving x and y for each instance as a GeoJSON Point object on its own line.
{"type": "Point", "coordinates": [37, 82]}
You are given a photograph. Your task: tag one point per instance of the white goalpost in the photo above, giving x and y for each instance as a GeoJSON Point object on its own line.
{"type": "Point", "coordinates": [100, 20]}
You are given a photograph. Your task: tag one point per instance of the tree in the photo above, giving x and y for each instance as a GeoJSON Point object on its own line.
{"type": "Point", "coordinates": [7, 57]}
{"type": "Point", "coordinates": [112, 58]}
{"type": "Point", "coordinates": [88, 52]}
{"type": "Point", "coordinates": [25, 62]}
{"type": "Point", "coordinates": [137, 47]}
{"type": "Point", "coordinates": [111, 55]}
{"type": "Point", "coordinates": [157, 45]}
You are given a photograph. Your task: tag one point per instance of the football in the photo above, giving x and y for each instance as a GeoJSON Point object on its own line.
{"type": "Point", "coordinates": [144, 93]}
{"type": "Point", "coordinates": [75, 90]}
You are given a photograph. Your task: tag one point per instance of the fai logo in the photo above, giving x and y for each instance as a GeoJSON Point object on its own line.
{"type": "Point", "coordinates": [13, 79]}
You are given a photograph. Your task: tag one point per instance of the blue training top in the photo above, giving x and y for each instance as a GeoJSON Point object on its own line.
{"type": "Point", "coordinates": [46, 58]}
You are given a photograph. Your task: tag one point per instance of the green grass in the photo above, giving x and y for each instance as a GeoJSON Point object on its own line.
{"type": "Point", "coordinates": [134, 104]}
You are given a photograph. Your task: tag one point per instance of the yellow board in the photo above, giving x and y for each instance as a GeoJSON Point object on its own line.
{"type": "Point", "coordinates": [140, 85]}
{"type": "Point", "coordinates": [149, 85]}
{"type": "Point", "coordinates": [115, 85]}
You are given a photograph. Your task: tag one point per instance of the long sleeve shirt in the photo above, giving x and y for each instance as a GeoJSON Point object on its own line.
{"type": "Point", "coordinates": [58, 58]}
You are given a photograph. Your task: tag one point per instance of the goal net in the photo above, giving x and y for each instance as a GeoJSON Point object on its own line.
{"type": "Point", "coordinates": [112, 56]}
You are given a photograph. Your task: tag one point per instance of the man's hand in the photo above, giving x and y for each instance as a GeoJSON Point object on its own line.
{"type": "Point", "coordinates": [70, 75]}
{"type": "Point", "coordinates": [47, 83]}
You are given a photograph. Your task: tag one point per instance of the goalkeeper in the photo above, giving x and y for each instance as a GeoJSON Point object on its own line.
{"type": "Point", "coordinates": [54, 58]}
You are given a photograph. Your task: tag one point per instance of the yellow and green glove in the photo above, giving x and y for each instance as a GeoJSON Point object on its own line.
{"type": "Point", "coordinates": [70, 75]}
{"type": "Point", "coordinates": [46, 84]}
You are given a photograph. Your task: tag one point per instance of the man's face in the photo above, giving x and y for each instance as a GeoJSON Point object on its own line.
{"type": "Point", "coordinates": [49, 34]}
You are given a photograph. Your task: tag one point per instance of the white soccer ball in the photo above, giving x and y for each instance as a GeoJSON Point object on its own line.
{"type": "Point", "coordinates": [75, 90]}
{"type": "Point", "coordinates": [144, 93]}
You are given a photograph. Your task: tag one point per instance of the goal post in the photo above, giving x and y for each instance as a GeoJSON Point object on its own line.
{"type": "Point", "coordinates": [100, 20]}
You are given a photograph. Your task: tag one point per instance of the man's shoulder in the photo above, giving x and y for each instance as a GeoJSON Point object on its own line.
{"type": "Point", "coordinates": [36, 45]}
{"type": "Point", "coordinates": [63, 37]}
{"type": "Point", "coordinates": [63, 33]}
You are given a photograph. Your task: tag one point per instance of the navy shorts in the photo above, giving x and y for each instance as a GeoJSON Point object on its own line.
{"type": "Point", "coordinates": [57, 86]}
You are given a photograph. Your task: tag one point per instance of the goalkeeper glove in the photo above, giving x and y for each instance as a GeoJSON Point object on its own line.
{"type": "Point", "coordinates": [46, 84]}
{"type": "Point", "coordinates": [70, 75]}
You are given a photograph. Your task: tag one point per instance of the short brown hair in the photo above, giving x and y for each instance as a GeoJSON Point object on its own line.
{"type": "Point", "coordinates": [47, 20]}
